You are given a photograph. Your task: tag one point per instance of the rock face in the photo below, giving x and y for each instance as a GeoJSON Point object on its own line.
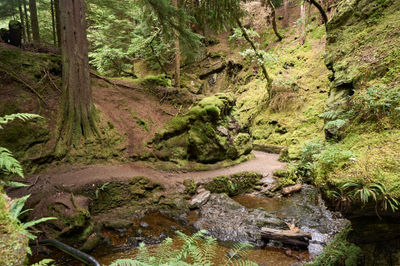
{"type": "Point", "coordinates": [207, 133]}
{"type": "Point", "coordinates": [227, 220]}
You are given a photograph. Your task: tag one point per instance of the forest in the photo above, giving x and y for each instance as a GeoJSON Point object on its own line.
{"type": "Point", "coordinates": [200, 132]}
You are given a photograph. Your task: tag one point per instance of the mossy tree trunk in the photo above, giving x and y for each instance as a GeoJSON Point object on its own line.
{"type": "Point", "coordinates": [34, 21]}
{"type": "Point", "coordinates": [320, 9]}
{"type": "Point", "coordinates": [58, 23]}
{"type": "Point", "coordinates": [52, 22]}
{"type": "Point", "coordinates": [78, 111]}
{"type": "Point", "coordinates": [272, 7]}
{"type": "Point", "coordinates": [28, 31]}
{"type": "Point", "coordinates": [177, 54]}
{"type": "Point", "coordinates": [21, 17]}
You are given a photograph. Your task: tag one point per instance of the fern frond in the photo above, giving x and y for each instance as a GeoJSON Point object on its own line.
{"type": "Point", "coordinates": [23, 116]}
{"type": "Point", "coordinates": [9, 164]}
{"type": "Point", "coordinates": [127, 262]}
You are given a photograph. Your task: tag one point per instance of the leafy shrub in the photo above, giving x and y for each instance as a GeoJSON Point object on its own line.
{"type": "Point", "coordinates": [197, 249]}
{"type": "Point", "coordinates": [306, 166]}
{"type": "Point", "coordinates": [332, 157]}
{"type": "Point", "coordinates": [378, 102]}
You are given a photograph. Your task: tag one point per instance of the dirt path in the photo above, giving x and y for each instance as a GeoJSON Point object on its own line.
{"type": "Point", "coordinates": [75, 177]}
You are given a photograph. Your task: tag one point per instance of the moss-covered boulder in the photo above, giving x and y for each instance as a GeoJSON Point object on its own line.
{"type": "Point", "coordinates": [235, 184]}
{"type": "Point", "coordinates": [207, 133]}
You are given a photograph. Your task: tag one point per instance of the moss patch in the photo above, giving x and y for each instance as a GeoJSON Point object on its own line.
{"type": "Point", "coordinates": [235, 184]}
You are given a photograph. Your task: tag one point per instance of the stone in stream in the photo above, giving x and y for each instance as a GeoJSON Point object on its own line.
{"type": "Point", "coordinates": [227, 220]}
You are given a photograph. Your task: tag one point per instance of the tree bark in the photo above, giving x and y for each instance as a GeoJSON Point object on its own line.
{"type": "Point", "coordinates": [271, 5]}
{"type": "Point", "coordinates": [52, 22]}
{"type": "Point", "coordinates": [21, 16]}
{"type": "Point", "coordinates": [285, 21]}
{"type": "Point", "coordinates": [28, 31]}
{"type": "Point", "coordinates": [58, 23]}
{"type": "Point", "coordinates": [177, 54]}
{"type": "Point", "coordinates": [34, 21]}
{"type": "Point", "coordinates": [321, 10]}
{"type": "Point", "coordinates": [78, 111]}
{"type": "Point", "coordinates": [302, 23]}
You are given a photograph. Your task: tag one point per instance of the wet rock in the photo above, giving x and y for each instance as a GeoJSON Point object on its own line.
{"type": "Point", "coordinates": [117, 224]}
{"type": "Point", "coordinates": [199, 200]}
{"type": "Point", "coordinates": [227, 220]}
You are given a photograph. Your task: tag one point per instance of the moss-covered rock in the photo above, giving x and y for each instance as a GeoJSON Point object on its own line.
{"type": "Point", "coordinates": [190, 186]}
{"type": "Point", "coordinates": [235, 184]}
{"type": "Point", "coordinates": [207, 133]}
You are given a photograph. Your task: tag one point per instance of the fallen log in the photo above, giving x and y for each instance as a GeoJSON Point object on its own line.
{"type": "Point", "coordinates": [288, 237]}
{"type": "Point", "coordinates": [291, 189]}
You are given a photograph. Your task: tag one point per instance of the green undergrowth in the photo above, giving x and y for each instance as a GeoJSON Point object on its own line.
{"type": "Point", "coordinates": [13, 243]}
{"type": "Point", "coordinates": [298, 94]}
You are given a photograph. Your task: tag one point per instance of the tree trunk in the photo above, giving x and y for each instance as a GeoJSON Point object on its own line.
{"type": "Point", "coordinates": [302, 23]}
{"type": "Point", "coordinates": [28, 31]}
{"type": "Point", "coordinates": [34, 21]}
{"type": "Point", "coordinates": [321, 10]}
{"type": "Point", "coordinates": [52, 22]}
{"type": "Point", "coordinates": [78, 111]}
{"type": "Point", "coordinates": [21, 17]}
{"type": "Point", "coordinates": [258, 55]}
{"type": "Point", "coordinates": [271, 5]}
{"type": "Point", "coordinates": [58, 23]}
{"type": "Point", "coordinates": [285, 21]}
{"type": "Point", "coordinates": [177, 54]}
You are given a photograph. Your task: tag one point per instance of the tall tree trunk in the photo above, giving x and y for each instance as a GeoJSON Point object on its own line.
{"type": "Point", "coordinates": [78, 111]}
{"type": "Point", "coordinates": [34, 21]}
{"type": "Point", "coordinates": [28, 31]}
{"type": "Point", "coordinates": [21, 17]}
{"type": "Point", "coordinates": [285, 21]}
{"type": "Point", "coordinates": [52, 22]}
{"type": "Point", "coordinates": [320, 9]}
{"type": "Point", "coordinates": [302, 23]}
{"type": "Point", "coordinates": [271, 5]}
{"type": "Point", "coordinates": [177, 54]}
{"type": "Point", "coordinates": [58, 23]}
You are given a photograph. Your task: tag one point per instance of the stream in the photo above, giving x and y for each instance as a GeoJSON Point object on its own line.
{"type": "Point", "coordinates": [306, 210]}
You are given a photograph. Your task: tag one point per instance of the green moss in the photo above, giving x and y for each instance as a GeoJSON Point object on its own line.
{"type": "Point", "coordinates": [140, 122]}
{"type": "Point", "coordinates": [235, 184]}
{"type": "Point", "coordinates": [115, 194]}
{"type": "Point", "coordinates": [190, 186]}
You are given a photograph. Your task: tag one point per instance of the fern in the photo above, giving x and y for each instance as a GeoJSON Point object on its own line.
{"type": "Point", "coordinates": [23, 116]}
{"type": "Point", "coordinates": [44, 262]}
{"type": "Point", "coordinates": [197, 249]}
{"type": "Point", "coordinates": [9, 164]}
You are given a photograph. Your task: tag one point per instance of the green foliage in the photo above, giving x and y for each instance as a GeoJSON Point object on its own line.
{"type": "Point", "coordinates": [378, 102]}
{"type": "Point", "coordinates": [306, 166]}
{"type": "Point", "coordinates": [197, 249]}
{"type": "Point", "coordinates": [8, 164]}
{"type": "Point", "coordinates": [16, 211]}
